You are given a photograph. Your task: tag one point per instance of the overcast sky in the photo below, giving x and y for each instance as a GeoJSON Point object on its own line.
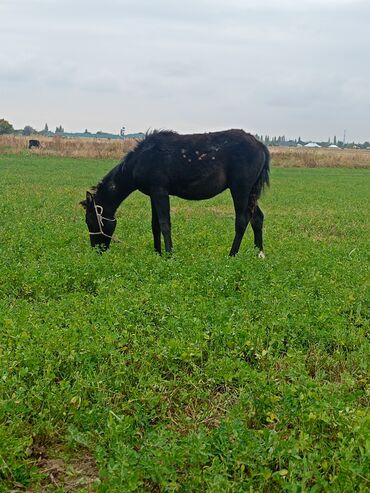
{"type": "Point", "coordinates": [298, 68]}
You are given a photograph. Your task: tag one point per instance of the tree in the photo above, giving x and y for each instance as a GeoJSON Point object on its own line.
{"type": "Point", "coordinates": [59, 130]}
{"type": "Point", "coordinates": [28, 130]}
{"type": "Point", "coordinates": [5, 127]}
{"type": "Point", "coordinates": [45, 131]}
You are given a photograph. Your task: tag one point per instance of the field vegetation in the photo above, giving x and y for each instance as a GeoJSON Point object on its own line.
{"type": "Point", "coordinates": [291, 157]}
{"type": "Point", "coordinates": [196, 373]}
{"type": "Point", "coordinates": [68, 147]}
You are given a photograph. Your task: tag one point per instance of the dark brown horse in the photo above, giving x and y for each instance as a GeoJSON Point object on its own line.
{"type": "Point", "coordinates": [33, 143]}
{"type": "Point", "coordinates": [193, 167]}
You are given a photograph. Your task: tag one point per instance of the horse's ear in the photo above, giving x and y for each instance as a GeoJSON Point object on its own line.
{"type": "Point", "coordinates": [88, 201]}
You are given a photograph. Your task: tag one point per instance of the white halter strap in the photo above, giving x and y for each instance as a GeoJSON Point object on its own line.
{"type": "Point", "coordinates": [100, 218]}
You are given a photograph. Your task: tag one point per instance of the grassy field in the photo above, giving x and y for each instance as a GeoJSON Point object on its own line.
{"type": "Point", "coordinates": [200, 373]}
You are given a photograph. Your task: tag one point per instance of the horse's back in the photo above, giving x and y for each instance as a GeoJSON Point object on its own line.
{"type": "Point", "coordinates": [195, 166]}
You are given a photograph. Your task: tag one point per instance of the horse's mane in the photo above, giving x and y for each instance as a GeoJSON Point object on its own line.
{"type": "Point", "coordinates": [147, 143]}
{"type": "Point", "coordinates": [162, 132]}
{"type": "Point", "coordinates": [151, 137]}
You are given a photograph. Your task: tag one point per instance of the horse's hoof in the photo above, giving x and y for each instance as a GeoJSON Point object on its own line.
{"type": "Point", "coordinates": [261, 254]}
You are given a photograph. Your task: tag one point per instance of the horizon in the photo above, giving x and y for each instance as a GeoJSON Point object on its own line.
{"type": "Point", "coordinates": [329, 139]}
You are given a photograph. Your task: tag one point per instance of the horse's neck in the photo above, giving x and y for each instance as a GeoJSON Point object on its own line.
{"type": "Point", "coordinates": [114, 189]}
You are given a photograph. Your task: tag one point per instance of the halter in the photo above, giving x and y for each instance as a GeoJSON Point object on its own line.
{"type": "Point", "coordinates": [99, 216]}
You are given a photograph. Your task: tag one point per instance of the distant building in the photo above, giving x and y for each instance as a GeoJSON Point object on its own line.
{"type": "Point", "coordinates": [333, 146]}
{"type": "Point", "coordinates": [312, 144]}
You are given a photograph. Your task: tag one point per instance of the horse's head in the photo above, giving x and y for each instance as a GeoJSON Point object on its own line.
{"type": "Point", "coordinates": [101, 228]}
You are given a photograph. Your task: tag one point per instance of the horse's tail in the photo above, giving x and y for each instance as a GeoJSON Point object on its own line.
{"type": "Point", "coordinates": [262, 180]}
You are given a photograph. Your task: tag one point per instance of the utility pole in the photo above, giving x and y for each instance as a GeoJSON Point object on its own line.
{"type": "Point", "coordinates": [344, 136]}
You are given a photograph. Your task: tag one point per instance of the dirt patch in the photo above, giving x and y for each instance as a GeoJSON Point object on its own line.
{"type": "Point", "coordinates": [68, 471]}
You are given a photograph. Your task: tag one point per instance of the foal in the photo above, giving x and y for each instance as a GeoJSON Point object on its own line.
{"type": "Point", "coordinates": [193, 167]}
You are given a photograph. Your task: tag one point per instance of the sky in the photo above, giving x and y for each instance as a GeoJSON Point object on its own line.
{"type": "Point", "coordinates": [283, 67]}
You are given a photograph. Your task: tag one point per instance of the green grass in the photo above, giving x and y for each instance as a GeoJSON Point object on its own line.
{"type": "Point", "coordinates": [198, 373]}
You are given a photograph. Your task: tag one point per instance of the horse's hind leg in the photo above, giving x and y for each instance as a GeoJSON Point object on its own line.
{"type": "Point", "coordinates": [242, 216]}
{"type": "Point", "coordinates": [257, 224]}
{"type": "Point", "coordinates": [161, 203]}
{"type": "Point", "coordinates": [156, 229]}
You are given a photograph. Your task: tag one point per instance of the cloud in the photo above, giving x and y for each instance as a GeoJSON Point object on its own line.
{"type": "Point", "coordinates": [272, 67]}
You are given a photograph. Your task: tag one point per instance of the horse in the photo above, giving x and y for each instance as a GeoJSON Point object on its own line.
{"type": "Point", "coordinates": [33, 143]}
{"type": "Point", "coordinates": [193, 167]}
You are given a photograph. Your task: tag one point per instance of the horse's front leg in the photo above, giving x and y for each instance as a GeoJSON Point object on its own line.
{"type": "Point", "coordinates": [161, 201]}
{"type": "Point", "coordinates": [156, 229]}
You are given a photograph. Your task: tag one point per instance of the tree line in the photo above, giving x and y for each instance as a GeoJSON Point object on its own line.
{"type": "Point", "coordinates": [7, 128]}
{"type": "Point", "coordinates": [281, 140]}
